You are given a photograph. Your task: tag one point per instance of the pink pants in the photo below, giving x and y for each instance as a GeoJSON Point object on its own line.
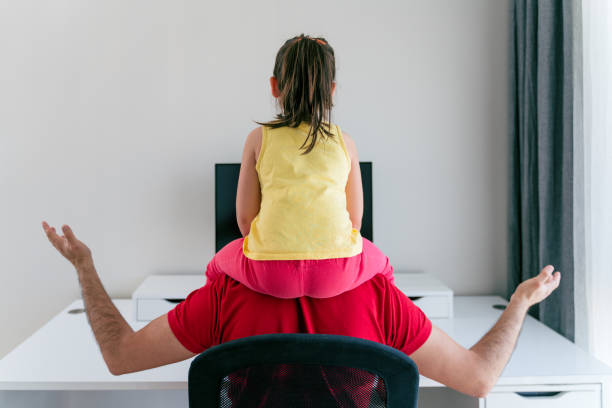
{"type": "Point", "coordinates": [317, 278]}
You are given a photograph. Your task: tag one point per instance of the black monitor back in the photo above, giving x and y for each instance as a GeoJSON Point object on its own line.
{"type": "Point", "coordinates": [226, 184]}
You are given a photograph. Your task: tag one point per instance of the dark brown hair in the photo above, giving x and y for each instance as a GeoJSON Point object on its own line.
{"type": "Point", "coordinates": [305, 70]}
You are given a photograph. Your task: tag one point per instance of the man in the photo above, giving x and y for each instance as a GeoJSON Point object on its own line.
{"type": "Point", "coordinates": [226, 309]}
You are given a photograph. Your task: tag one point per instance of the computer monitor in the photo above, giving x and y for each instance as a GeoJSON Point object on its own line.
{"type": "Point", "coordinates": [226, 184]}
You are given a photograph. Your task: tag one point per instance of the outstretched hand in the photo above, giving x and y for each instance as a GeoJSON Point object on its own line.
{"type": "Point", "coordinates": [538, 288]}
{"type": "Point", "coordinates": [68, 245]}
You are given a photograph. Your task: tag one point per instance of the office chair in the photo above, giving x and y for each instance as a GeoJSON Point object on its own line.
{"type": "Point", "coordinates": [302, 370]}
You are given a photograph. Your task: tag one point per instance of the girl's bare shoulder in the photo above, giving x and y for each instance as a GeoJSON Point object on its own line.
{"type": "Point", "coordinates": [253, 141]}
{"type": "Point", "coordinates": [255, 134]}
{"type": "Point", "coordinates": [350, 145]}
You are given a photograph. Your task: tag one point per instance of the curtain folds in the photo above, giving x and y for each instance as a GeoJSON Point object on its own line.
{"type": "Point", "coordinates": [542, 134]}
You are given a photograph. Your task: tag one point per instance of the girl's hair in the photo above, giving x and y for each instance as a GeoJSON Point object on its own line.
{"type": "Point", "coordinates": [305, 70]}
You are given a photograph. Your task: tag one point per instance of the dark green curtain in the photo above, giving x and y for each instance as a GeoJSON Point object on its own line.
{"type": "Point", "coordinates": [542, 132]}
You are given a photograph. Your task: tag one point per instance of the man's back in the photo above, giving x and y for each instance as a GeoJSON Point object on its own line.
{"type": "Point", "coordinates": [227, 310]}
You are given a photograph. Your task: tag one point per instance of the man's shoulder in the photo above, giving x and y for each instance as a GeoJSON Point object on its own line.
{"type": "Point", "coordinates": [379, 284]}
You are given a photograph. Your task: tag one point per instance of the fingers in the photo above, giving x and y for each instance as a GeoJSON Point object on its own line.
{"type": "Point", "coordinates": [50, 231]}
{"type": "Point", "coordinates": [69, 234]}
{"type": "Point", "coordinates": [68, 244]}
{"type": "Point", "coordinates": [552, 283]}
{"type": "Point", "coordinates": [55, 239]}
{"type": "Point", "coordinates": [557, 279]}
{"type": "Point", "coordinates": [547, 271]}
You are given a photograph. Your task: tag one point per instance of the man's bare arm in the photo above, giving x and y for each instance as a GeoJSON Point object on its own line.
{"type": "Point", "coordinates": [123, 349]}
{"type": "Point", "coordinates": [475, 371]}
{"type": "Point", "coordinates": [496, 347]}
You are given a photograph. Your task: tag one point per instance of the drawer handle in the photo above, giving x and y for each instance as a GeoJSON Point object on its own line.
{"type": "Point", "coordinates": [540, 394]}
{"type": "Point", "coordinates": [174, 300]}
{"type": "Point", "coordinates": [413, 298]}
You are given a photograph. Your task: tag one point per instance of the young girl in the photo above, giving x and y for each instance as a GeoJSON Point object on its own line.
{"type": "Point", "coordinates": [300, 200]}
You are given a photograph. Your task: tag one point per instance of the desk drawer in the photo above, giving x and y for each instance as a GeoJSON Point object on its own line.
{"type": "Point", "coordinates": [150, 309]}
{"type": "Point", "coordinates": [435, 307]}
{"type": "Point", "coordinates": [582, 396]}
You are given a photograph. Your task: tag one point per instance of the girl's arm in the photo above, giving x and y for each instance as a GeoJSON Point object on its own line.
{"type": "Point", "coordinates": [248, 196]}
{"type": "Point", "coordinates": [354, 188]}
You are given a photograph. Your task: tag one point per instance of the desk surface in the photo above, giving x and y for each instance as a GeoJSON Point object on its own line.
{"type": "Point", "coordinates": [63, 354]}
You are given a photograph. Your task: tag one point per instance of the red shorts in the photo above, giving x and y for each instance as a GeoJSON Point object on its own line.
{"type": "Point", "coordinates": [317, 278]}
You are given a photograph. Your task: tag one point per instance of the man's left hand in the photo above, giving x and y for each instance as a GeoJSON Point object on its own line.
{"type": "Point", "coordinates": [68, 245]}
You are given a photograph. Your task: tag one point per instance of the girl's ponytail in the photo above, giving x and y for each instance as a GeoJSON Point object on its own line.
{"type": "Point", "coordinates": [305, 70]}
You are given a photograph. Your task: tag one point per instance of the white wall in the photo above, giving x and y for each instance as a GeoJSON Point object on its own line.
{"type": "Point", "coordinates": [113, 112]}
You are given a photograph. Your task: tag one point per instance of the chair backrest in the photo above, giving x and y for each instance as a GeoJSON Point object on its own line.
{"type": "Point", "coordinates": [302, 370]}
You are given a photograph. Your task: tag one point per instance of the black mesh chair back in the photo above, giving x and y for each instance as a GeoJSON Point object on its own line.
{"type": "Point", "coordinates": [303, 370]}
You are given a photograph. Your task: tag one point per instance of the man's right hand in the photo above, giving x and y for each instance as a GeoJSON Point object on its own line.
{"type": "Point", "coordinates": [475, 371]}
{"type": "Point", "coordinates": [536, 289]}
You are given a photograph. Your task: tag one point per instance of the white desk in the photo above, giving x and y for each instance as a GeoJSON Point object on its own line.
{"type": "Point", "coordinates": [63, 357]}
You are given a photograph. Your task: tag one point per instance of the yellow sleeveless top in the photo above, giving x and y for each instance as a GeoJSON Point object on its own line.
{"type": "Point", "coordinates": [303, 211]}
